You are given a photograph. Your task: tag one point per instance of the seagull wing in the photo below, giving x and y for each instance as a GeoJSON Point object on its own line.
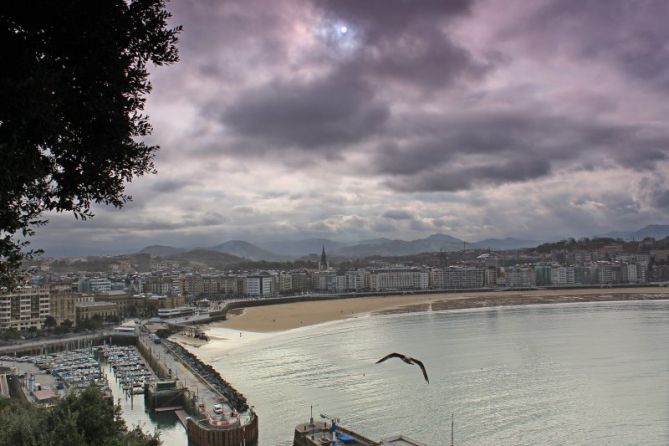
{"type": "Point", "coordinates": [422, 367]}
{"type": "Point", "coordinates": [392, 355]}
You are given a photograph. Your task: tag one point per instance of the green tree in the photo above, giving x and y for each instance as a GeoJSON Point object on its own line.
{"type": "Point", "coordinates": [50, 322]}
{"type": "Point", "coordinates": [72, 91]}
{"type": "Point", "coordinates": [84, 419]}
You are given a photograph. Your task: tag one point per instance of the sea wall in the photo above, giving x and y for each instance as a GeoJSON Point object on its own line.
{"type": "Point", "coordinates": [200, 434]}
{"type": "Point", "coordinates": [154, 362]}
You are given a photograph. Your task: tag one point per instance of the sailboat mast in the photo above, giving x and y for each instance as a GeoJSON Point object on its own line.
{"type": "Point", "coordinates": [452, 425]}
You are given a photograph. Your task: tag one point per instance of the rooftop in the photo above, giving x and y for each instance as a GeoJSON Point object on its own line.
{"type": "Point", "coordinates": [93, 304]}
{"type": "Point", "coordinates": [400, 440]}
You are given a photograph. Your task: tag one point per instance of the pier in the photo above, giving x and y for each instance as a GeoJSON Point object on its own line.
{"type": "Point", "coordinates": [322, 433]}
{"type": "Point", "coordinates": [211, 410]}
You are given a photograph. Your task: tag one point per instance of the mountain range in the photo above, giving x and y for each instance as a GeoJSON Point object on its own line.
{"type": "Point", "coordinates": [658, 232]}
{"type": "Point", "coordinates": [284, 250]}
{"type": "Point", "coordinates": [287, 250]}
{"type": "Point", "coordinates": [249, 251]}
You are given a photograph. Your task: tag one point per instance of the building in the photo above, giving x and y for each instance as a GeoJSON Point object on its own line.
{"type": "Point", "coordinates": [457, 277]}
{"type": "Point", "coordinates": [284, 282]}
{"type": "Point", "coordinates": [153, 303]}
{"type": "Point", "coordinates": [158, 284]}
{"type": "Point", "coordinates": [102, 310]}
{"type": "Point", "coordinates": [63, 305]}
{"type": "Point", "coordinates": [629, 273]}
{"type": "Point", "coordinates": [24, 308]}
{"type": "Point", "coordinates": [608, 272]}
{"type": "Point", "coordinates": [325, 280]}
{"type": "Point", "coordinates": [301, 281]}
{"type": "Point", "coordinates": [99, 285]}
{"type": "Point", "coordinates": [390, 279]}
{"type": "Point", "coordinates": [340, 285]}
{"type": "Point", "coordinates": [562, 275]}
{"type": "Point", "coordinates": [357, 280]}
{"type": "Point", "coordinates": [542, 272]}
{"type": "Point", "coordinates": [323, 264]}
{"type": "Point", "coordinates": [260, 285]}
{"type": "Point", "coordinates": [520, 276]}
{"type": "Point", "coordinates": [217, 286]}
{"type": "Point", "coordinates": [128, 305]}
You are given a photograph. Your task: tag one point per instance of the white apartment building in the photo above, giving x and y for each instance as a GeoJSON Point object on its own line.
{"type": "Point", "coordinates": [260, 285]}
{"type": "Point", "coordinates": [398, 279]}
{"type": "Point", "coordinates": [562, 275]}
{"type": "Point", "coordinates": [24, 308]}
{"type": "Point", "coordinates": [457, 277]}
{"type": "Point", "coordinates": [285, 282]}
{"type": "Point", "coordinates": [641, 271]}
{"type": "Point", "coordinates": [357, 280]}
{"type": "Point", "coordinates": [630, 273]}
{"type": "Point", "coordinates": [341, 283]}
{"type": "Point", "coordinates": [99, 285]}
{"type": "Point", "coordinates": [607, 272]}
{"type": "Point", "coordinates": [520, 276]}
{"type": "Point", "coordinates": [325, 280]}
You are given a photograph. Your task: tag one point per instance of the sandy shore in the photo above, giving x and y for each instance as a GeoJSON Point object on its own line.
{"type": "Point", "coordinates": [292, 315]}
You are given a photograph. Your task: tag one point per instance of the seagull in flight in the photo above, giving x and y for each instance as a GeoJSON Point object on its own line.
{"type": "Point", "coordinates": [408, 360]}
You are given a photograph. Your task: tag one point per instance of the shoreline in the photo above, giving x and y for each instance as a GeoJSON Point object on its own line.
{"type": "Point", "coordinates": [285, 316]}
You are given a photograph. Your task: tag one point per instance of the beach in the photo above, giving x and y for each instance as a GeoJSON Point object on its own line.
{"type": "Point", "coordinates": [280, 317]}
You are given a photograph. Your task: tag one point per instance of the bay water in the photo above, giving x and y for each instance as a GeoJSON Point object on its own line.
{"type": "Point", "coordinates": [565, 374]}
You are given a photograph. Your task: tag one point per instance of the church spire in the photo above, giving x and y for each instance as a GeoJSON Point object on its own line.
{"type": "Point", "coordinates": [323, 264]}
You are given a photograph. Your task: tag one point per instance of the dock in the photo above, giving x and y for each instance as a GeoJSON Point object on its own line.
{"type": "Point", "coordinates": [320, 433]}
{"type": "Point", "coordinates": [182, 416]}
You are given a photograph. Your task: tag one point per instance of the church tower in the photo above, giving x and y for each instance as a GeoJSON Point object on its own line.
{"type": "Point", "coordinates": [323, 264]}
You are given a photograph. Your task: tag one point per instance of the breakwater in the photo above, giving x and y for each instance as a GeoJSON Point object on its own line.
{"type": "Point", "coordinates": [209, 375]}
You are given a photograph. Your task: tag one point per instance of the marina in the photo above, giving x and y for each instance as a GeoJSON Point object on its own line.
{"type": "Point", "coordinates": [128, 366]}
{"type": "Point", "coordinates": [156, 383]}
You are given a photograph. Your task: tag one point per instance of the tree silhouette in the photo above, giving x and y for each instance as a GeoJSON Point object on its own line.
{"type": "Point", "coordinates": [73, 85]}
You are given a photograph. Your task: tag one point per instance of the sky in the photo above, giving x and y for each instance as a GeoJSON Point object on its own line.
{"type": "Point", "coordinates": [350, 119]}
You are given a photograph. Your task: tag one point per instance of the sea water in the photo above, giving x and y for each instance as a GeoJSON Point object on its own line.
{"type": "Point", "coordinates": [565, 374]}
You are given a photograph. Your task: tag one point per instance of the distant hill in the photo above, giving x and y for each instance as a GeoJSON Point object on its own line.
{"type": "Point", "coordinates": [207, 257]}
{"type": "Point", "coordinates": [160, 250]}
{"type": "Point", "coordinates": [387, 247]}
{"type": "Point", "coordinates": [247, 250]}
{"type": "Point", "coordinates": [658, 232]}
{"type": "Point", "coordinates": [504, 244]}
{"type": "Point", "coordinates": [300, 248]}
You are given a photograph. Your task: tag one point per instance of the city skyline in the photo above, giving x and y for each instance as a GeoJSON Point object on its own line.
{"type": "Point", "coordinates": [348, 120]}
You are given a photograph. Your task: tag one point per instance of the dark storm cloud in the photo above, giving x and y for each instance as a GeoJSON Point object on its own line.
{"type": "Point", "coordinates": [164, 186]}
{"type": "Point", "coordinates": [329, 111]}
{"type": "Point", "coordinates": [404, 43]}
{"type": "Point", "coordinates": [406, 121]}
{"type": "Point", "coordinates": [398, 214]}
{"type": "Point", "coordinates": [455, 152]}
{"type": "Point", "coordinates": [655, 191]}
{"type": "Point", "coordinates": [381, 17]}
{"type": "Point", "coordinates": [424, 58]}
{"type": "Point", "coordinates": [465, 178]}
{"type": "Point", "coordinates": [661, 199]}
{"type": "Point", "coordinates": [632, 35]}
{"type": "Point", "coordinates": [251, 30]}
{"type": "Point", "coordinates": [407, 41]}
